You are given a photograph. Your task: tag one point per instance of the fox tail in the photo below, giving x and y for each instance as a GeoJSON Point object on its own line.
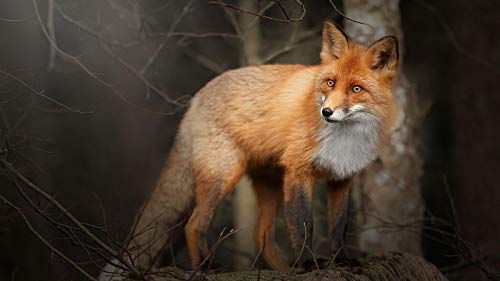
{"type": "Point", "coordinates": [165, 209]}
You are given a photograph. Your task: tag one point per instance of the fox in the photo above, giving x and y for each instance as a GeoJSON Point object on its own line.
{"type": "Point", "coordinates": [286, 127]}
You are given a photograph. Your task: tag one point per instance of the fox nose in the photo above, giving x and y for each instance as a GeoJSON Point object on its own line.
{"type": "Point", "coordinates": [327, 112]}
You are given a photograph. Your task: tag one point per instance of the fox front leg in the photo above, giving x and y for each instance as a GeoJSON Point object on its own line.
{"type": "Point", "coordinates": [337, 205]}
{"type": "Point", "coordinates": [298, 215]}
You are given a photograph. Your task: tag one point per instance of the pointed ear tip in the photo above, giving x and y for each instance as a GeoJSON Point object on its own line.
{"type": "Point", "coordinates": [392, 38]}
{"type": "Point", "coordinates": [396, 40]}
{"type": "Point", "coordinates": [329, 24]}
{"type": "Point", "coordinates": [332, 27]}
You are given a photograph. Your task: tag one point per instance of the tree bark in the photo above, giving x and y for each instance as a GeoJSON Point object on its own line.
{"type": "Point", "coordinates": [387, 207]}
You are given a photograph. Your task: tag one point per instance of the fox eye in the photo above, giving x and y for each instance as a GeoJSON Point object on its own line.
{"type": "Point", "coordinates": [357, 89]}
{"type": "Point", "coordinates": [330, 83]}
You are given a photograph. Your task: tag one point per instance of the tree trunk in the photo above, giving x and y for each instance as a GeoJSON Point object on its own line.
{"type": "Point", "coordinates": [387, 207]}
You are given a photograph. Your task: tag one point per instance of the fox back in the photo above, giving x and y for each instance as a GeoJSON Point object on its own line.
{"type": "Point", "coordinates": [284, 125]}
{"type": "Point", "coordinates": [278, 114]}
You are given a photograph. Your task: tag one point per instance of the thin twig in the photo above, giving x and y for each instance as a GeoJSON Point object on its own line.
{"type": "Point", "coordinates": [70, 216]}
{"type": "Point", "coordinates": [172, 28]}
{"type": "Point", "coordinates": [285, 13]}
{"type": "Point", "coordinates": [13, 20]}
{"type": "Point", "coordinates": [314, 257]}
{"type": "Point", "coordinates": [348, 18]}
{"type": "Point", "coordinates": [332, 262]}
{"type": "Point", "coordinates": [261, 250]}
{"type": "Point", "coordinates": [44, 241]}
{"type": "Point", "coordinates": [41, 94]}
{"type": "Point", "coordinates": [452, 203]}
{"type": "Point", "coordinates": [204, 35]}
{"type": "Point", "coordinates": [146, 82]}
{"type": "Point", "coordinates": [262, 11]}
{"type": "Point", "coordinates": [77, 62]}
{"type": "Point", "coordinates": [107, 48]}
{"type": "Point", "coordinates": [287, 19]}
{"type": "Point", "coordinates": [292, 43]}
{"type": "Point", "coordinates": [454, 42]}
{"type": "Point", "coordinates": [60, 226]}
{"type": "Point", "coordinates": [88, 30]}
{"type": "Point", "coordinates": [203, 60]}
{"type": "Point", "coordinates": [234, 23]}
{"type": "Point", "coordinates": [52, 33]}
{"type": "Point", "coordinates": [299, 254]}
{"type": "Point", "coordinates": [212, 250]}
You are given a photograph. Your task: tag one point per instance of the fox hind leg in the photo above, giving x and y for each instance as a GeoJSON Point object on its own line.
{"type": "Point", "coordinates": [213, 181]}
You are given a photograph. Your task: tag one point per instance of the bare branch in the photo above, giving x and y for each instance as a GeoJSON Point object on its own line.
{"type": "Point", "coordinates": [213, 249]}
{"type": "Point", "coordinates": [77, 62]}
{"type": "Point", "coordinates": [292, 44]}
{"type": "Point", "coordinates": [348, 18]}
{"type": "Point", "coordinates": [44, 241]}
{"type": "Point", "coordinates": [105, 45]}
{"type": "Point", "coordinates": [234, 23]}
{"type": "Point", "coordinates": [52, 33]}
{"type": "Point", "coordinates": [287, 18]}
{"type": "Point", "coordinates": [203, 60]}
{"type": "Point", "coordinates": [13, 20]}
{"type": "Point", "coordinates": [204, 35]}
{"type": "Point", "coordinates": [300, 252]}
{"type": "Point", "coordinates": [41, 93]}
{"type": "Point", "coordinates": [124, 14]}
{"type": "Point", "coordinates": [89, 31]}
{"type": "Point", "coordinates": [172, 28]}
{"type": "Point", "coordinates": [262, 11]}
{"type": "Point", "coordinates": [66, 213]}
{"type": "Point", "coordinates": [451, 36]}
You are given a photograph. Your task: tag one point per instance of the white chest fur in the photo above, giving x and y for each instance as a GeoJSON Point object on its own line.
{"type": "Point", "coordinates": [346, 148]}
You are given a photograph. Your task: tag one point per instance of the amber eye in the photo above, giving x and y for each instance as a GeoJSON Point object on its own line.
{"type": "Point", "coordinates": [330, 83]}
{"type": "Point", "coordinates": [356, 89]}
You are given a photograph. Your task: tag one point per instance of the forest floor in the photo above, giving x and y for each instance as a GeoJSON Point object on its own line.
{"type": "Point", "coordinates": [390, 267]}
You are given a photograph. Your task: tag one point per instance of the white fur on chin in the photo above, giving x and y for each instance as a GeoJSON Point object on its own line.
{"type": "Point", "coordinates": [347, 147]}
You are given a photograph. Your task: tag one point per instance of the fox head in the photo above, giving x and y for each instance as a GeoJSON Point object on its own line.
{"type": "Point", "coordinates": [355, 83]}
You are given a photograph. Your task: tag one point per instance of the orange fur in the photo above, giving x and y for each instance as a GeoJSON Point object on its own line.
{"type": "Point", "coordinates": [270, 116]}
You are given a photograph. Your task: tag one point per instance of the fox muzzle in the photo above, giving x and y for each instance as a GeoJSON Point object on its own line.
{"type": "Point", "coordinates": [341, 113]}
{"type": "Point", "coordinates": [336, 115]}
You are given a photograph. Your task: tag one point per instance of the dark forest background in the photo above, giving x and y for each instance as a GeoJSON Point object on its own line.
{"type": "Point", "coordinates": [90, 104]}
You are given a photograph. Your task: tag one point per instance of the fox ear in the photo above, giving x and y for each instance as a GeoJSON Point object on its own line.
{"type": "Point", "coordinates": [384, 54]}
{"type": "Point", "coordinates": [334, 42]}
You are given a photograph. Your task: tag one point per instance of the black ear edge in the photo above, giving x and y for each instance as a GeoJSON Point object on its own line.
{"type": "Point", "coordinates": [396, 43]}
{"type": "Point", "coordinates": [340, 29]}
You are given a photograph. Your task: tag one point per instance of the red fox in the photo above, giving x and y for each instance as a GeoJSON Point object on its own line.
{"type": "Point", "coordinates": [285, 126]}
